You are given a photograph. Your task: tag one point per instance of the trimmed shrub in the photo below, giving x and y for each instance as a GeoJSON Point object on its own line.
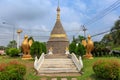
{"type": "Point", "coordinates": [12, 71]}
{"type": "Point", "coordinates": [107, 69]}
{"type": "Point", "coordinates": [12, 52]}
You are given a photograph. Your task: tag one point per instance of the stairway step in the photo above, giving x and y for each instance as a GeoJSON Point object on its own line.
{"type": "Point", "coordinates": [58, 59]}
{"type": "Point", "coordinates": [58, 66]}
{"type": "Point", "coordinates": [62, 63]}
{"type": "Point", "coordinates": [56, 56]}
{"type": "Point", "coordinates": [57, 71]}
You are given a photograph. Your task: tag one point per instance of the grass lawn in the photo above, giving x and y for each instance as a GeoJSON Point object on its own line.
{"type": "Point", "coordinates": [30, 75]}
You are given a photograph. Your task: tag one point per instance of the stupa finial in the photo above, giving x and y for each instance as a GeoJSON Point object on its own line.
{"type": "Point", "coordinates": [58, 12]}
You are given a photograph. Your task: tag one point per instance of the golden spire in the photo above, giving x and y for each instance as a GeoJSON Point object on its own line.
{"type": "Point", "coordinates": [58, 12]}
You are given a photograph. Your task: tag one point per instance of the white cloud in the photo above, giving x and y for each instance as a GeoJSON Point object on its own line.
{"type": "Point", "coordinates": [79, 4]}
{"type": "Point", "coordinates": [36, 15]}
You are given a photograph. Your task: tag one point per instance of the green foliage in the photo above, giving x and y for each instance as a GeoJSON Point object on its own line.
{"type": "Point", "coordinates": [100, 52]}
{"type": "Point", "coordinates": [80, 50]}
{"type": "Point", "coordinates": [117, 48]}
{"type": "Point", "coordinates": [37, 49]}
{"type": "Point", "coordinates": [78, 39]}
{"type": "Point", "coordinates": [100, 49]}
{"type": "Point", "coordinates": [12, 71]}
{"type": "Point", "coordinates": [77, 49]}
{"type": "Point", "coordinates": [43, 45]}
{"type": "Point", "coordinates": [88, 72]}
{"type": "Point", "coordinates": [31, 38]}
{"type": "Point", "coordinates": [107, 69]}
{"type": "Point", "coordinates": [2, 48]}
{"type": "Point", "coordinates": [112, 39]}
{"type": "Point", "coordinates": [12, 44]}
{"type": "Point", "coordinates": [72, 47]}
{"type": "Point", "coordinates": [99, 45]}
{"type": "Point", "coordinates": [12, 52]}
{"type": "Point", "coordinates": [107, 40]}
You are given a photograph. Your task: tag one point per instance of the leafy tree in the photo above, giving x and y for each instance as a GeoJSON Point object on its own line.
{"type": "Point", "coordinates": [72, 47]}
{"type": "Point", "coordinates": [43, 46]}
{"type": "Point", "coordinates": [99, 45]}
{"type": "Point", "coordinates": [74, 40]}
{"type": "Point", "coordinates": [107, 38]}
{"type": "Point", "coordinates": [115, 31]}
{"type": "Point", "coordinates": [80, 49]}
{"type": "Point", "coordinates": [2, 48]}
{"type": "Point", "coordinates": [112, 39]}
{"type": "Point", "coordinates": [78, 39]}
{"type": "Point", "coordinates": [37, 49]}
{"type": "Point", "coordinates": [12, 44]}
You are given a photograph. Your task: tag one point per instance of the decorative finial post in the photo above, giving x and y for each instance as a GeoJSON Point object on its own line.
{"type": "Point", "coordinates": [18, 40]}
{"type": "Point", "coordinates": [58, 12]}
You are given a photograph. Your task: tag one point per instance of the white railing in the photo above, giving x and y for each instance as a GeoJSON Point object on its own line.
{"type": "Point", "coordinates": [38, 62]}
{"type": "Point", "coordinates": [78, 63]}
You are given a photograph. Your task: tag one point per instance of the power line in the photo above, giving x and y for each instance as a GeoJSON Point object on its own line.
{"type": "Point", "coordinates": [104, 12]}
{"type": "Point", "coordinates": [104, 32]}
{"type": "Point", "coordinates": [36, 30]}
{"type": "Point", "coordinates": [100, 33]}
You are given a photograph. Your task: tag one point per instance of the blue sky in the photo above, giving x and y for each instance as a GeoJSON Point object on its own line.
{"type": "Point", "coordinates": [37, 17]}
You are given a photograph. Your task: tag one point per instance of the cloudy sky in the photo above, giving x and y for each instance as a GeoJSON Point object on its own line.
{"type": "Point", "coordinates": [37, 17]}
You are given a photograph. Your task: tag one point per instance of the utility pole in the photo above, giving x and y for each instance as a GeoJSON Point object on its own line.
{"type": "Point", "coordinates": [84, 29]}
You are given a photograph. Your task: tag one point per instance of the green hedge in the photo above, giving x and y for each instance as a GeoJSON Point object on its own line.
{"type": "Point", "coordinates": [107, 69]}
{"type": "Point", "coordinates": [12, 71]}
{"type": "Point", "coordinates": [12, 52]}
